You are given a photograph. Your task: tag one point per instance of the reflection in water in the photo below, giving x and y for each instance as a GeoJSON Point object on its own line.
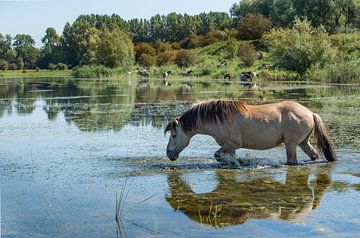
{"type": "Point", "coordinates": [94, 105]}
{"type": "Point", "coordinates": [234, 202]}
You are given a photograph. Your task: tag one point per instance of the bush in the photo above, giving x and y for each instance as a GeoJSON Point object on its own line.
{"type": "Point", "coordinates": [184, 58]}
{"type": "Point", "coordinates": [61, 66]}
{"type": "Point", "coordinates": [3, 65]}
{"type": "Point", "coordinates": [144, 48]}
{"type": "Point", "coordinates": [193, 41]}
{"type": "Point", "coordinates": [231, 49]}
{"type": "Point", "coordinates": [247, 54]}
{"type": "Point", "coordinates": [162, 46]}
{"type": "Point", "coordinates": [146, 60]}
{"type": "Point", "coordinates": [93, 72]}
{"type": "Point", "coordinates": [300, 48]}
{"type": "Point", "coordinates": [52, 66]}
{"type": "Point", "coordinates": [253, 26]}
{"type": "Point", "coordinates": [165, 58]}
{"type": "Point", "coordinates": [340, 72]}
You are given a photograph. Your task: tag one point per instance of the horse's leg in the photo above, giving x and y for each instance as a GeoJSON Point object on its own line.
{"type": "Point", "coordinates": [226, 154]}
{"type": "Point", "coordinates": [291, 153]}
{"type": "Point", "coordinates": [309, 150]}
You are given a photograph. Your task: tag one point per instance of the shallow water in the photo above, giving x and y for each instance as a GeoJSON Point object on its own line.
{"type": "Point", "coordinates": [69, 147]}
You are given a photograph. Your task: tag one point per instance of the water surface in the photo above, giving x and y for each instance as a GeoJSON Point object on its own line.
{"type": "Point", "coordinates": [69, 146]}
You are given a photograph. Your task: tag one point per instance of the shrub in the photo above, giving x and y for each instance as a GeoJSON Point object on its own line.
{"type": "Point", "coordinates": [231, 49]}
{"type": "Point", "coordinates": [144, 48]}
{"type": "Point", "coordinates": [3, 65]}
{"type": "Point", "coordinates": [146, 60]}
{"type": "Point", "coordinates": [193, 41]}
{"type": "Point", "coordinates": [61, 66]}
{"type": "Point", "coordinates": [339, 72]}
{"type": "Point", "coordinates": [184, 58]}
{"type": "Point", "coordinates": [52, 66]}
{"type": "Point", "coordinates": [299, 48]}
{"type": "Point", "coordinates": [162, 46]}
{"type": "Point", "coordinates": [253, 26]}
{"type": "Point", "coordinates": [247, 54]}
{"type": "Point", "coordinates": [93, 72]}
{"type": "Point", "coordinates": [165, 58]}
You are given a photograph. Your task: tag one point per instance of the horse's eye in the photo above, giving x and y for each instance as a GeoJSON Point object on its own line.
{"type": "Point", "coordinates": [173, 135]}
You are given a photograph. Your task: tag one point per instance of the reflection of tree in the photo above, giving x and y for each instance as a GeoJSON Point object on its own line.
{"type": "Point", "coordinates": [233, 202]}
{"type": "Point", "coordinates": [109, 104]}
{"type": "Point", "coordinates": [94, 105]}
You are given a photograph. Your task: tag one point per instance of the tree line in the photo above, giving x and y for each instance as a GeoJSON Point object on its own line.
{"type": "Point", "coordinates": [114, 42]}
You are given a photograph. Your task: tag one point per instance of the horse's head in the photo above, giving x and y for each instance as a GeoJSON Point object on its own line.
{"type": "Point", "coordinates": [178, 139]}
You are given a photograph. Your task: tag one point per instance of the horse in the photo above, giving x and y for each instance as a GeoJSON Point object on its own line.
{"type": "Point", "coordinates": [236, 125]}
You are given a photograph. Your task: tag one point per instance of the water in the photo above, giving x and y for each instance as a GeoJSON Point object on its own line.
{"type": "Point", "coordinates": [68, 148]}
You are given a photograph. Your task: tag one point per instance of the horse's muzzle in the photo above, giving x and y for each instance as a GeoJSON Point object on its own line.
{"type": "Point", "coordinates": [172, 155]}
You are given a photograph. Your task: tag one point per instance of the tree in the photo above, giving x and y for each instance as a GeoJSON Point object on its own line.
{"type": "Point", "coordinates": [6, 52]}
{"type": "Point", "coordinates": [299, 48]}
{"type": "Point", "coordinates": [253, 26]}
{"type": "Point", "coordinates": [114, 49]}
{"type": "Point", "coordinates": [51, 51]}
{"type": "Point", "coordinates": [25, 49]}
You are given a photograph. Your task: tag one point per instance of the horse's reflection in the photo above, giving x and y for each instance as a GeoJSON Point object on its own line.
{"type": "Point", "coordinates": [233, 202]}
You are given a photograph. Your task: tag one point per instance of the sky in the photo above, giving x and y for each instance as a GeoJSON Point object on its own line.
{"type": "Point", "coordinates": [34, 16]}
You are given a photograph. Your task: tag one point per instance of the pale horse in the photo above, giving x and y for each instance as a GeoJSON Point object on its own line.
{"type": "Point", "coordinates": [236, 125]}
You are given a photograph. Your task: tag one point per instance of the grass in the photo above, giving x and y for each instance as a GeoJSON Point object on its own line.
{"type": "Point", "coordinates": [35, 73]}
{"type": "Point", "coordinates": [119, 208]}
{"type": "Point", "coordinates": [120, 214]}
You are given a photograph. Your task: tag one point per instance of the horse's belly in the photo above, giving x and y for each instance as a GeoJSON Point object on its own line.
{"type": "Point", "coordinates": [262, 141]}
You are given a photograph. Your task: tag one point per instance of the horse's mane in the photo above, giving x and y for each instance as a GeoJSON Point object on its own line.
{"type": "Point", "coordinates": [208, 112]}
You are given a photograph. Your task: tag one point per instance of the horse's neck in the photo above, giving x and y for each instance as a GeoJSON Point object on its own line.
{"type": "Point", "coordinates": [205, 129]}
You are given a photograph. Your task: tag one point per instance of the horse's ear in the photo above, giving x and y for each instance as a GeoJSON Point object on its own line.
{"type": "Point", "coordinates": [171, 125]}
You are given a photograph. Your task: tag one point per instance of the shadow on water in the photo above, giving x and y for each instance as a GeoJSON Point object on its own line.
{"type": "Point", "coordinates": [234, 200]}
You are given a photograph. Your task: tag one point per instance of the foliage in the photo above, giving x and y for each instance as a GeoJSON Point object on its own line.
{"type": "Point", "coordinates": [61, 66]}
{"type": "Point", "coordinates": [113, 49]}
{"type": "Point", "coordinates": [339, 72]}
{"type": "Point", "coordinates": [20, 63]}
{"type": "Point", "coordinates": [165, 58]}
{"type": "Point", "coordinates": [96, 72]}
{"type": "Point", "coordinates": [175, 27]}
{"type": "Point", "coordinates": [299, 48]}
{"type": "Point", "coordinates": [231, 49]}
{"type": "Point", "coordinates": [347, 45]}
{"type": "Point", "coordinates": [332, 14]}
{"type": "Point", "coordinates": [24, 46]}
{"type": "Point", "coordinates": [253, 26]}
{"type": "Point", "coordinates": [247, 54]}
{"type": "Point", "coordinates": [3, 65]}
{"type": "Point", "coordinates": [184, 58]}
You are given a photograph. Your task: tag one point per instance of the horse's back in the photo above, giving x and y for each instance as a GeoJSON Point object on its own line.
{"type": "Point", "coordinates": [266, 126]}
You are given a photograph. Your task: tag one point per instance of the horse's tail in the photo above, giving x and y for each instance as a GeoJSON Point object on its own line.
{"type": "Point", "coordinates": [323, 139]}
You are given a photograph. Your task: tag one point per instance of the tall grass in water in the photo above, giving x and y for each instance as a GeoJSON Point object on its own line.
{"type": "Point", "coordinates": [119, 208]}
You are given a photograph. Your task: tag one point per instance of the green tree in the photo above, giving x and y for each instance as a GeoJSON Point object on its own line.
{"type": "Point", "coordinates": [6, 52]}
{"type": "Point", "coordinates": [51, 51]}
{"type": "Point", "coordinates": [299, 48]}
{"type": "Point", "coordinates": [114, 49]}
{"type": "Point", "coordinates": [25, 49]}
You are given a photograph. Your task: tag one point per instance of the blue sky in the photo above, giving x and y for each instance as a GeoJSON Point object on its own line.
{"type": "Point", "coordinates": [34, 16]}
